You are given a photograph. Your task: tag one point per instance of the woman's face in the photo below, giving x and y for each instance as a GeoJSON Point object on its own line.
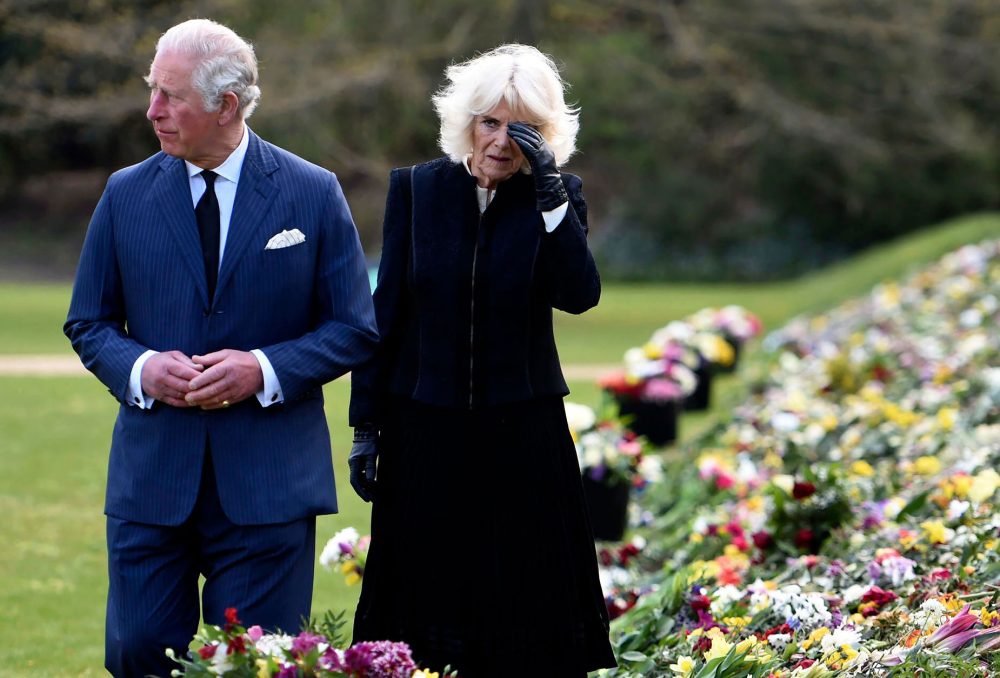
{"type": "Point", "coordinates": [495, 156]}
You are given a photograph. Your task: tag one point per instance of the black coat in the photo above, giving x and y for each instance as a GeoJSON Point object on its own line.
{"type": "Point", "coordinates": [464, 302]}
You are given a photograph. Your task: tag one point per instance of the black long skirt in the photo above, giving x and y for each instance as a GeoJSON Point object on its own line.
{"type": "Point", "coordinates": [482, 555]}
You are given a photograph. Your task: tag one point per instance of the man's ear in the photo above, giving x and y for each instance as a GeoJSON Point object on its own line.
{"type": "Point", "coordinates": [229, 109]}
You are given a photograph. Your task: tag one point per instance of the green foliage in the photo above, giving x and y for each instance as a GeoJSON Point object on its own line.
{"type": "Point", "coordinates": [720, 140]}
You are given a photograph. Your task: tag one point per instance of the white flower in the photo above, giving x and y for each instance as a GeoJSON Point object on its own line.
{"type": "Point", "coordinates": [221, 661]}
{"type": "Point", "coordinates": [838, 638]}
{"type": "Point", "coordinates": [274, 644]}
{"type": "Point", "coordinates": [579, 417]}
{"type": "Point", "coordinates": [337, 545]}
{"type": "Point", "coordinates": [785, 422]}
{"type": "Point", "coordinates": [779, 640]}
{"type": "Point", "coordinates": [956, 509]}
{"type": "Point", "coordinates": [723, 597]}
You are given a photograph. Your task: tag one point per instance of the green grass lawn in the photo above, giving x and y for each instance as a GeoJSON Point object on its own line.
{"type": "Point", "coordinates": [31, 316]}
{"type": "Point", "coordinates": [54, 435]}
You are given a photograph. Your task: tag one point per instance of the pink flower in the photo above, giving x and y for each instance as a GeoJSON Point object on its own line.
{"type": "Point", "coordinates": [956, 632]}
{"type": "Point", "coordinates": [631, 448]}
{"type": "Point", "coordinates": [255, 633]}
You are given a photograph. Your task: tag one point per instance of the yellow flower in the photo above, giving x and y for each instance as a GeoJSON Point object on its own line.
{"type": "Point", "coordinates": [683, 667]}
{"type": "Point", "coordinates": [961, 483]}
{"type": "Point", "coordinates": [347, 567]}
{"type": "Point", "coordinates": [652, 351]}
{"type": "Point", "coordinates": [898, 415]}
{"type": "Point", "coordinates": [942, 374]}
{"type": "Point", "coordinates": [984, 485]}
{"type": "Point", "coordinates": [815, 637]}
{"type": "Point", "coordinates": [423, 673]}
{"type": "Point", "coordinates": [862, 468]}
{"type": "Point", "coordinates": [720, 648]}
{"type": "Point", "coordinates": [263, 669]}
{"type": "Point", "coordinates": [747, 645]}
{"type": "Point", "coordinates": [946, 417]}
{"type": "Point", "coordinates": [772, 460]}
{"type": "Point", "coordinates": [352, 578]}
{"type": "Point", "coordinates": [696, 538]}
{"type": "Point", "coordinates": [936, 531]}
{"type": "Point", "coordinates": [737, 623]}
{"type": "Point", "coordinates": [829, 422]}
{"type": "Point", "coordinates": [926, 466]}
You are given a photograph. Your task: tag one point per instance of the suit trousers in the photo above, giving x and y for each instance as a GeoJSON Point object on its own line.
{"type": "Point", "coordinates": [264, 571]}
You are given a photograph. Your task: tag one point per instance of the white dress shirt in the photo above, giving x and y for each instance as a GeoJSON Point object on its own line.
{"type": "Point", "coordinates": [225, 191]}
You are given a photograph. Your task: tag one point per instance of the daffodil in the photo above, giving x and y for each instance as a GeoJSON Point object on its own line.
{"type": "Point", "coordinates": [683, 667]}
{"type": "Point", "coordinates": [720, 647]}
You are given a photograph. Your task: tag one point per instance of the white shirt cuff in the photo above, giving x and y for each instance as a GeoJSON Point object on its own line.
{"type": "Point", "coordinates": [271, 393]}
{"type": "Point", "coordinates": [553, 218]}
{"type": "Point", "coordinates": [136, 398]}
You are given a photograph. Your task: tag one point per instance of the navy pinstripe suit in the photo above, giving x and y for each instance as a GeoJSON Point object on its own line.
{"type": "Point", "coordinates": [141, 285]}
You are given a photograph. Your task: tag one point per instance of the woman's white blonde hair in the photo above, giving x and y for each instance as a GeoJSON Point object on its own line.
{"type": "Point", "coordinates": [526, 79]}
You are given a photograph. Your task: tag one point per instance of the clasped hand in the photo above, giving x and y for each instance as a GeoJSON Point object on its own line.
{"type": "Point", "coordinates": [210, 381]}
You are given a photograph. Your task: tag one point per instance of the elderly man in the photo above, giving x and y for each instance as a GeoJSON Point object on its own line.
{"type": "Point", "coordinates": [221, 284]}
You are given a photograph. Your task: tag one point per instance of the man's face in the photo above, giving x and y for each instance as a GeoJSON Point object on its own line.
{"type": "Point", "coordinates": [184, 128]}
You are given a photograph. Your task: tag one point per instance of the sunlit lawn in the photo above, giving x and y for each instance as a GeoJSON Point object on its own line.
{"type": "Point", "coordinates": [54, 435]}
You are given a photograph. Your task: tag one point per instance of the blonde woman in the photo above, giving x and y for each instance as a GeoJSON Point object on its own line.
{"type": "Point", "coordinates": [482, 554]}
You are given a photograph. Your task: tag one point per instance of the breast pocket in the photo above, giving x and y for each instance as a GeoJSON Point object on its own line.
{"type": "Point", "coordinates": [288, 270]}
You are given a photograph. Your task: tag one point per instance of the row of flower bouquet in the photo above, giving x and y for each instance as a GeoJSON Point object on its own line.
{"type": "Point", "coordinates": [844, 520]}
{"type": "Point", "coordinates": [674, 368]}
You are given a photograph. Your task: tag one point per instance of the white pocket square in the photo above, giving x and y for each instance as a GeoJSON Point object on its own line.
{"type": "Point", "coordinates": [285, 239]}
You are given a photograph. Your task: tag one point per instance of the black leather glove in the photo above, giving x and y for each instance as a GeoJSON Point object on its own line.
{"type": "Point", "coordinates": [361, 460]}
{"type": "Point", "coordinates": [549, 188]}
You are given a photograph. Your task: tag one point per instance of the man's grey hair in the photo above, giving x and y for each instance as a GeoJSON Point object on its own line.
{"type": "Point", "coordinates": [224, 62]}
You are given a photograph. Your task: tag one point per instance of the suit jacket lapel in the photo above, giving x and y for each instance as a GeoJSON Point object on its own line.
{"type": "Point", "coordinates": [254, 197]}
{"type": "Point", "coordinates": [173, 193]}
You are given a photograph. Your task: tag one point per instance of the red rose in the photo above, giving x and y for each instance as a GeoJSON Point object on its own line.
{"type": "Point", "coordinates": [207, 651]}
{"type": "Point", "coordinates": [237, 645]}
{"type": "Point", "coordinates": [878, 596]}
{"type": "Point", "coordinates": [802, 490]}
{"type": "Point", "coordinates": [804, 538]}
{"type": "Point", "coordinates": [231, 615]}
{"type": "Point", "coordinates": [762, 540]}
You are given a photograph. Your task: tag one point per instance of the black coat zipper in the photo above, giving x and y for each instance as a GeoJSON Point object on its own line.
{"type": "Point", "coordinates": [472, 313]}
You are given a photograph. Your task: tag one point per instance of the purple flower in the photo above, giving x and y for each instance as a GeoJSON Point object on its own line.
{"type": "Point", "coordinates": [380, 659]}
{"type": "Point", "coordinates": [305, 642]}
{"type": "Point", "coordinates": [598, 472]}
{"type": "Point", "coordinates": [835, 568]}
{"type": "Point", "coordinates": [288, 671]}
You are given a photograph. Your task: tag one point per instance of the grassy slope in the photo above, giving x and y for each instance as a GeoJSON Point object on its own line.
{"type": "Point", "coordinates": [54, 436]}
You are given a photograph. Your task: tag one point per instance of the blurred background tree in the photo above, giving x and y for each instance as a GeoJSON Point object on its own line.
{"type": "Point", "coordinates": [720, 139]}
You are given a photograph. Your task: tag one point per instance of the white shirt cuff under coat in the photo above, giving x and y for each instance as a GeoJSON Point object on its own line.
{"type": "Point", "coordinates": [553, 218]}
{"type": "Point", "coordinates": [271, 393]}
{"type": "Point", "coordinates": [136, 398]}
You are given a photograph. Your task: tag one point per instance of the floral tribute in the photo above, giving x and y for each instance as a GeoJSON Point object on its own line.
{"type": "Point", "coordinates": [843, 521]}
{"type": "Point", "coordinates": [234, 651]}
{"type": "Point", "coordinates": [667, 367]}
{"type": "Point", "coordinates": [346, 551]}
{"type": "Point", "coordinates": [608, 453]}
